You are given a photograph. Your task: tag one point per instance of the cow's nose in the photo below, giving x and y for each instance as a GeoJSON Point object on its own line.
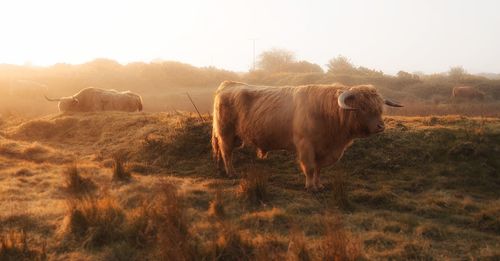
{"type": "Point", "coordinates": [380, 126]}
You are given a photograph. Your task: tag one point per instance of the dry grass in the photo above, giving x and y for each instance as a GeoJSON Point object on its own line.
{"type": "Point", "coordinates": [75, 184]}
{"type": "Point", "coordinates": [254, 187]}
{"type": "Point", "coordinates": [120, 174]}
{"type": "Point", "coordinates": [297, 247]}
{"type": "Point", "coordinates": [488, 220]}
{"type": "Point", "coordinates": [231, 246]}
{"type": "Point", "coordinates": [338, 244]}
{"type": "Point", "coordinates": [425, 189]}
{"type": "Point", "coordinates": [339, 191]}
{"type": "Point", "coordinates": [216, 207]}
{"type": "Point", "coordinates": [14, 246]}
{"type": "Point", "coordinates": [174, 240]}
{"type": "Point", "coordinates": [94, 222]}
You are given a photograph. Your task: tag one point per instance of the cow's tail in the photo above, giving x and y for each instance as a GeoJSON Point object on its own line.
{"type": "Point", "coordinates": [216, 153]}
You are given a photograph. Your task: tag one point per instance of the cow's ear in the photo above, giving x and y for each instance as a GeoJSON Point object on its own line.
{"type": "Point", "coordinates": [343, 98]}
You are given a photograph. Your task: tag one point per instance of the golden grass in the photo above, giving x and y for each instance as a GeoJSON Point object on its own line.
{"type": "Point", "coordinates": [254, 187]}
{"type": "Point", "coordinates": [339, 191]}
{"type": "Point", "coordinates": [216, 207]}
{"type": "Point", "coordinates": [14, 246]}
{"type": "Point", "coordinates": [297, 247]}
{"type": "Point", "coordinates": [412, 195]}
{"type": "Point", "coordinates": [338, 244]}
{"type": "Point", "coordinates": [231, 246]}
{"type": "Point", "coordinates": [76, 184]}
{"type": "Point", "coordinates": [120, 174]}
{"type": "Point", "coordinates": [94, 222]}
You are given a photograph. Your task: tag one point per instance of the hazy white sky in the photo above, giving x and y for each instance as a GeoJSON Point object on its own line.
{"type": "Point", "coordinates": [389, 35]}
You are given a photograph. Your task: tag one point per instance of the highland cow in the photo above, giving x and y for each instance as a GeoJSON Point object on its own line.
{"type": "Point", "coordinates": [95, 99]}
{"type": "Point", "coordinates": [467, 92]}
{"type": "Point", "coordinates": [318, 122]}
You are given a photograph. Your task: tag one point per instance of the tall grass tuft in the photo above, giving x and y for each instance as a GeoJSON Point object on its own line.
{"type": "Point", "coordinates": [231, 246]}
{"type": "Point", "coordinates": [339, 244]}
{"type": "Point", "coordinates": [297, 247]}
{"type": "Point", "coordinates": [120, 174]}
{"type": "Point", "coordinates": [339, 191]}
{"type": "Point", "coordinates": [94, 222]}
{"type": "Point", "coordinates": [174, 239]}
{"type": "Point", "coordinates": [253, 187]}
{"type": "Point", "coordinates": [75, 184]}
{"type": "Point", "coordinates": [14, 246]}
{"type": "Point", "coordinates": [162, 226]}
{"type": "Point", "coordinates": [216, 207]}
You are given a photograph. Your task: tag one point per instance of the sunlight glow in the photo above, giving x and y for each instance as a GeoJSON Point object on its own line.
{"type": "Point", "coordinates": [389, 35]}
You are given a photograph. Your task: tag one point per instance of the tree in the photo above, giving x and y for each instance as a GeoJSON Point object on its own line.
{"type": "Point", "coordinates": [457, 73]}
{"type": "Point", "coordinates": [402, 75]}
{"type": "Point", "coordinates": [275, 60]}
{"type": "Point", "coordinates": [303, 67]}
{"type": "Point", "coordinates": [340, 65]}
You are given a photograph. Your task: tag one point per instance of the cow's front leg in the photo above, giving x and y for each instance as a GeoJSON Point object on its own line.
{"type": "Point", "coordinates": [317, 182]}
{"type": "Point", "coordinates": [307, 164]}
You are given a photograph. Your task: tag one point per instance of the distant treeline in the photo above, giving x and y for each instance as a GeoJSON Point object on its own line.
{"type": "Point", "coordinates": [274, 67]}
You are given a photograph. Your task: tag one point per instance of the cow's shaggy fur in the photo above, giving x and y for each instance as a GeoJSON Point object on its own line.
{"type": "Point", "coordinates": [306, 119]}
{"type": "Point", "coordinates": [95, 99]}
{"type": "Point", "coordinates": [467, 92]}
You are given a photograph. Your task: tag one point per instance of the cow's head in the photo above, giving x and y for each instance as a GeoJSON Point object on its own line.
{"type": "Point", "coordinates": [66, 103]}
{"type": "Point", "coordinates": [363, 106]}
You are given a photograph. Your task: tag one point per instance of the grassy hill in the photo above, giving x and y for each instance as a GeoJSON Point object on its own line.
{"type": "Point", "coordinates": [427, 189]}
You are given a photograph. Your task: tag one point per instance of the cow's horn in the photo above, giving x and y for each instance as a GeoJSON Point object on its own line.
{"type": "Point", "coordinates": [76, 100]}
{"type": "Point", "coordinates": [392, 103]}
{"type": "Point", "coordinates": [49, 99]}
{"type": "Point", "coordinates": [341, 100]}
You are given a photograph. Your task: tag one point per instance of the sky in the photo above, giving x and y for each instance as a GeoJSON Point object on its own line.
{"type": "Point", "coordinates": [388, 35]}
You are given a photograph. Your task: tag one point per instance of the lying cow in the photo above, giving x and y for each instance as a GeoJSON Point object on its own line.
{"type": "Point", "coordinates": [317, 121]}
{"type": "Point", "coordinates": [467, 92]}
{"type": "Point", "coordinates": [95, 99]}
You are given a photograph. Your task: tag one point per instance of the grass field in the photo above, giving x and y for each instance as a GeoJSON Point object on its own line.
{"type": "Point", "coordinates": [142, 186]}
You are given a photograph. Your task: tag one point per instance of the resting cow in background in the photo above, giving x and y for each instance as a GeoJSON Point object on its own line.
{"type": "Point", "coordinates": [95, 99]}
{"type": "Point", "coordinates": [467, 92]}
{"type": "Point", "coordinates": [317, 121]}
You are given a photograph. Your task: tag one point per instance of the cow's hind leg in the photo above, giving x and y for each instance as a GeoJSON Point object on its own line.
{"type": "Point", "coordinates": [216, 152]}
{"type": "Point", "coordinates": [227, 146]}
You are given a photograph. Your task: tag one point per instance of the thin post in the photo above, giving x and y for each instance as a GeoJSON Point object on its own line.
{"type": "Point", "coordinates": [196, 108]}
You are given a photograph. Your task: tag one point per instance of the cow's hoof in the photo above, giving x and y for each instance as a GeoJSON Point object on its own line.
{"type": "Point", "coordinates": [311, 188]}
{"type": "Point", "coordinates": [232, 175]}
{"type": "Point", "coordinates": [320, 186]}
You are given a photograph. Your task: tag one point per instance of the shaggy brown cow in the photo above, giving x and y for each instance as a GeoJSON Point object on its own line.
{"type": "Point", "coordinates": [467, 92]}
{"type": "Point", "coordinates": [317, 121]}
{"type": "Point", "coordinates": [94, 99]}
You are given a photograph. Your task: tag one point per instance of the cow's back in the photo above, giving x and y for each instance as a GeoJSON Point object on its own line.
{"type": "Point", "coordinates": [467, 92]}
{"type": "Point", "coordinates": [258, 115]}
